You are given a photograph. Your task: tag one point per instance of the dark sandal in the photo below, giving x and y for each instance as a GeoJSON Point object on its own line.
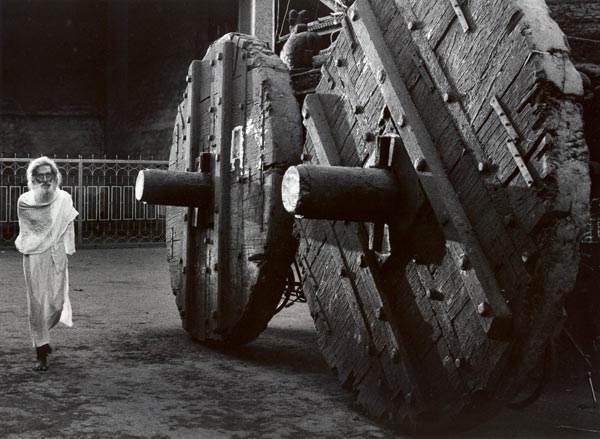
{"type": "Point", "coordinates": [42, 355]}
{"type": "Point", "coordinates": [40, 367]}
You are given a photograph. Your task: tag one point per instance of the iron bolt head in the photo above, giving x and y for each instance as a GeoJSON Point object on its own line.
{"type": "Point", "coordinates": [362, 261]}
{"type": "Point", "coordinates": [395, 355]}
{"type": "Point", "coordinates": [380, 313]}
{"type": "Point", "coordinates": [447, 97]}
{"type": "Point", "coordinates": [483, 308]}
{"type": "Point", "coordinates": [371, 349]}
{"type": "Point", "coordinates": [509, 220]}
{"type": "Point", "coordinates": [420, 164]}
{"type": "Point", "coordinates": [465, 264]}
{"type": "Point", "coordinates": [339, 62]}
{"type": "Point", "coordinates": [369, 137]}
{"type": "Point", "coordinates": [457, 363]}
{"type": "Point", "coordinates": [381, 76]}
{"type": "Point", "coordinates": [188, 78]}
{"type": "Point", "coordinates": [354, 16]}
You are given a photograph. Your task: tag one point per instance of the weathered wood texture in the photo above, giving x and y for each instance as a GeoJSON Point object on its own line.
{"type": "Point", "coordinates": [421, 330]}
{"type": "Point", "coordinates": [235, 251]}
{"type": "Point", "coordinates": [341, 193]}
{"type": "Point", "coordinates": [173, 188]}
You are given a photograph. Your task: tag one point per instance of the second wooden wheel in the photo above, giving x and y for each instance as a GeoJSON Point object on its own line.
{"type": "Point", "coordinates": [229, 251]}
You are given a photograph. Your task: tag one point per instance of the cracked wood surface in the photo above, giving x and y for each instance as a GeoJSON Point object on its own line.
{"type": "Point", "coordinates": [229, 259]}
{"type": "Point", "coordinates": [447, 370]}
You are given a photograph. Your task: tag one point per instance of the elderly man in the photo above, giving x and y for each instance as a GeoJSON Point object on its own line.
{"type": "Point", "coordinates": [46, 237]}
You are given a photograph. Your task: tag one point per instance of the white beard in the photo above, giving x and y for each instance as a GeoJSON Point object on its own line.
{"type": "Point", "coordinates": [44, 192]}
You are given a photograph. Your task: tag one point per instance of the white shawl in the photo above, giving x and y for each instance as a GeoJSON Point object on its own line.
{"type": "Point", "coordinates": [43, 224]}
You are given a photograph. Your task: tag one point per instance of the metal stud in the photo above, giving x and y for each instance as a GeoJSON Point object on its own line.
{"type": "Point", "coordinates": [483, 308]}
{"type": "Point", "coordinates": [380, 314]}
{"type": "Point", "coordinates": [362, 261]}
{"type": "Point", "coordinates": [509, 220]}
{"type": "Point", "coordinates": [188, 78]}
{"type": "Point", "coordinates": [465, 264]}
{"type": "Point", "coordinates": [483, 167]}
{"type": "Point", "coordinates": [420, 164]}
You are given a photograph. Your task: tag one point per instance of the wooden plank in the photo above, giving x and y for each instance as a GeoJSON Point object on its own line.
{"type": "Point", "coordinates": [192, 136]}
{"type": "Point", "coordinates": [219, 304]}
{"type": "Point", "coordinates": [366, 295]}
{"type": "Point", "coordinates": [419, 146]}
{"type": "Point", "coordinates": [318, 129]}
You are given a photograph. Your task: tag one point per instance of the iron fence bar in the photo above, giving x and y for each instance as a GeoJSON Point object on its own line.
{"type": "Point", "coordinates": [145, 227]}
{"type": "Point", "coordinates": [80, 202]}
{"type": "Point", "coordinates": [103, 161]}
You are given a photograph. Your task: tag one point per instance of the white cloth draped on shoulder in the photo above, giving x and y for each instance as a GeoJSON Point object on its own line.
{"type": "Point", "coordinates": [46, 237]}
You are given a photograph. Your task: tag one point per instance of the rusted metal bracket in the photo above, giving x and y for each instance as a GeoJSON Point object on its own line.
{"type": "Point", "coordinates": [349, 32]}
{"type": "Point", "coordinates": [460, 15]}
{"type": "Point", "coordinates": [422, 70]}
{"type": "Point", "coordinates": [511, 143]}
{"type": "Point", "coordinates": [443, 198]}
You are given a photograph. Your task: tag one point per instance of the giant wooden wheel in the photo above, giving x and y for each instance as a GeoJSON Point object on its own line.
{"type": "Point", "coordinates": [237, 130]}
{"type": "Point", "coordinates": [444, 195]}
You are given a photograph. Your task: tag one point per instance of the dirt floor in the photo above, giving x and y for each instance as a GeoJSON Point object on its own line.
{"type": "Point", "coordinates": [128, 370]}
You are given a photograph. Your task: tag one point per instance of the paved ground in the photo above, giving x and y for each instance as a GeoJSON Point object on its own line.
{"type": "Point", "coordinates": [128, 370]}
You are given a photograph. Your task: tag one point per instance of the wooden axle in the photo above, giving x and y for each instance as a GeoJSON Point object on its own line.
{"type": "Point", "coordinates": [341, 193]}
{"type": "Point", "coordinates": [174, 188]}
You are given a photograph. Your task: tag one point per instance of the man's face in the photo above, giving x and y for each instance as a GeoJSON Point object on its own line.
{"type": "Point", "coordinates": [44, 178]}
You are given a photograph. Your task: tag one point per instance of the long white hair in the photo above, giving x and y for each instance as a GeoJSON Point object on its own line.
{"type": "Point", "coordinates": [41, 161]}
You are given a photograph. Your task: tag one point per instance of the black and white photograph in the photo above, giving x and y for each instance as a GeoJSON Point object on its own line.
{"type": "Point", "coordinates": [297, 219]}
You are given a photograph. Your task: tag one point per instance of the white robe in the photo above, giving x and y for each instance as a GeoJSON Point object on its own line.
{"type": "Point", "coordinates": [46, 237]}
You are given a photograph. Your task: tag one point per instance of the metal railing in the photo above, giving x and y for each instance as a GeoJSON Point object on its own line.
{"type": "Point", "coordinates": [103, 192]}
